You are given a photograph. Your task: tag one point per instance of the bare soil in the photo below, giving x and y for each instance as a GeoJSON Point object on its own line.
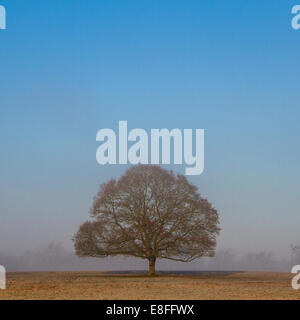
{"type": "Point", "coordinates": [135, 286]}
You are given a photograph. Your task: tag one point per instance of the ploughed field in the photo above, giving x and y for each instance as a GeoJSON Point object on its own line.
{"type": "Point", "coordinates": [134, 286]}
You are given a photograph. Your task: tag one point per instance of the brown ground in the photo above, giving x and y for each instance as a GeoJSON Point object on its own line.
{"type": "Point", "coordinates": [97, 285]}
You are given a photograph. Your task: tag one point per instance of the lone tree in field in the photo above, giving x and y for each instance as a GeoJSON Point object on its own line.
{"type": "Point", "coordinates": [149, 213]}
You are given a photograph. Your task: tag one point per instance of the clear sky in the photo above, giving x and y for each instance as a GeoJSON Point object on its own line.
{"type": "Point", "coordinates": [71, 67]}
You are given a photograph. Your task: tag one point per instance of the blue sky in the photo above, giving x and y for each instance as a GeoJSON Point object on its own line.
{"type": "Point", "coordinates": [69, 68]}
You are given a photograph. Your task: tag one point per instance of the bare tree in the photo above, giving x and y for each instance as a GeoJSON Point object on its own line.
{"type": "Point", "coordinates": [223, 260]}
{"type": "Point", "coordinates": [295, 254]}
{"type": "Point", "coordinates": [149, 213]}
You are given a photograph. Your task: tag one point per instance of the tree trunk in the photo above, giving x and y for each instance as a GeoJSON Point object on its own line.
{"type": "Point", "coordinates": [152, 261]}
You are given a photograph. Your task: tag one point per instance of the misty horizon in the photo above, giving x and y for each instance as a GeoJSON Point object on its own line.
{"type": "Point", "coordinates": [54, 257]}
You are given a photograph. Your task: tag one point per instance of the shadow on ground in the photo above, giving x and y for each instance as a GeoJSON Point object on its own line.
{"type": "Point", "coordinates": [172, 273]}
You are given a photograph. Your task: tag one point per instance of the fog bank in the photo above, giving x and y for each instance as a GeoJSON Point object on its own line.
{"type": "Point", "coordinates": [55, 257]}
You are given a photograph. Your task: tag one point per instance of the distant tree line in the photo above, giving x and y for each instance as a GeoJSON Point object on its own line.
{"type": "Point", "coordinates": [54, 257]}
